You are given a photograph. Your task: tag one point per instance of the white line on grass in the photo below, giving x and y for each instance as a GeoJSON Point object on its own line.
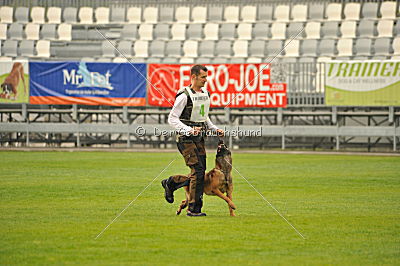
{"type": "Point", "coordinates": [134, 199]}
{"type": "Point", "coordinates": [262, 196]}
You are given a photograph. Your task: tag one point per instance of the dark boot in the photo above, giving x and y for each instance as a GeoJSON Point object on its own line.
{"type": "Point", "coordinates": [168, 185]}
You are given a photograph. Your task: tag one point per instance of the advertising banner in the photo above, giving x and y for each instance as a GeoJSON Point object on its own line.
{"type": "Point", "coordinates": [117, 84]}
{"type": "Point", "coordinates": [14, 82]}
{"type": "Point", "coordinates": [362, 83]}
{"type": "Point", "coordinates": [233, 85]}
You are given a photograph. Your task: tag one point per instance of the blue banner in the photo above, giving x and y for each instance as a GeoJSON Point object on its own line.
{"type": "Point", "coordinates": [118, 84]}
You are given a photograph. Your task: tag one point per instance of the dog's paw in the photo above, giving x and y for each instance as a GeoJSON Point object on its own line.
{"type": "Point", "coordinates": [232, 206]}
{"type": "Point", "coordinates": [178, 212]}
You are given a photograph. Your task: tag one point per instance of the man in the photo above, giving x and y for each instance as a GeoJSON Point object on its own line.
{"type": "Point", "coordinates": [189, 116]}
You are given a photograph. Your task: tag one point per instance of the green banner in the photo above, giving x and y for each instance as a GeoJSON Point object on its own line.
{"type": "Point", "coordinates": [14, 82]}
{"type": "Point", "coordinates": [362, 83]}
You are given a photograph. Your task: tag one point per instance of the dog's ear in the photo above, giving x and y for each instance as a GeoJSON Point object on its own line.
{"type": "Point", "coordinates": [221, 141]}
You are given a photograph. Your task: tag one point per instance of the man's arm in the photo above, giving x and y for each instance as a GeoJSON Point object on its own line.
{"type": "Point", "coordinates": [177, 109]}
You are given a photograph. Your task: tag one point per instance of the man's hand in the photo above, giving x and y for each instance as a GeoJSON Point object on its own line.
{"type": "Point", "coordinates": [196, 131]}
{"type": "Point", "coordinates": [220, 133]}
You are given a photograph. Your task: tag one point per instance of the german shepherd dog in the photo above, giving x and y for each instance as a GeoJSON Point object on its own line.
{"type": "Point", "coordinates": [10, 85]}
{"type": "Point", "coordinates": [217, 181]}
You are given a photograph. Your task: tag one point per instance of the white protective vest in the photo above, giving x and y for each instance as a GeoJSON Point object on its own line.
{"type": "Point", "coordinates": [201, 105]}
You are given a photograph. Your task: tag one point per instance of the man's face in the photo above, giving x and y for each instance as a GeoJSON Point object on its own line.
{"type": "Point", "coordinates": [201, 79]}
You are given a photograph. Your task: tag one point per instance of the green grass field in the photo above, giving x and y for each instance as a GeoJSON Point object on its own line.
{"type": "Point", "coordinates": [53, 204]}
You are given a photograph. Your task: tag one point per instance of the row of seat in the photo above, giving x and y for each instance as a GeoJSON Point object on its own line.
{"type": "Point", "coordinates": [224, 48]}
{"type": "Point", "coordinates": [211, 31]}
{"type": "Point", "coordinates": [201, 14]}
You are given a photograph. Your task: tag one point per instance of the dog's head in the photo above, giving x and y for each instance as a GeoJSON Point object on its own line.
{"type": "Point", "coordinates": [7, 89]}
{"type": "Point", "coordinates": [222, 149]}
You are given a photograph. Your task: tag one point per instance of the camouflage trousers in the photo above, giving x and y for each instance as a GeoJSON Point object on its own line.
{"type": "Point", "coordinates": [194, 154]}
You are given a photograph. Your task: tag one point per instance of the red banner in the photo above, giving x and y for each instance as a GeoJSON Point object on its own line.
{"type": "Point", "coordinates": [232, 85]}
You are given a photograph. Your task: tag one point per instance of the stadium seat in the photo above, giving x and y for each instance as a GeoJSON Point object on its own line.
{"type": "Point", "coordinates": [345, 47]}
{"type": "Point", "coordinates": [220, 60]}
{"type": "Point", "coordinates": [32, 31]}
{"type": "Point", "coordinates": [5, 58]}
{"type": "Point", "coordinates": [107, 49]}
{"type": "Point", "coordinates": [348, 29]}
{"type": "Point", "coordinates": [309, 48]}
{"type": "Point", "coordinates": [396, 46]}
{"type": "Point", "coordinates": [385, 28]}
{"type": "Point", "coordinates": [124, 49]}
{"type": "Point", "coordinates": [10, 48]}
{"type": "Point", "coordinates": [369, 10]}
{"type": "Point", "coordinates": [261, 31]}
{"type": "Point", "coordinates": [43, 48]}
{"type": "Point", "coordinates": [169, 60]}
{"type": "Point", "coordinates": [313, 30]}
{"type": "Point", "coordinates": [334, 12]}
{"type": "Point", "coordinates": [195, 32]}
{"type": "Point", "coordinates": [129, 32]}
{"type": "Point", "coordinates": [295, 29]}
{"type": "Point", "coordinates": [190, 48]}
{"type": "Point", "coordinates": [102, 15]}
{"type": "Point", "coordinates": [327, 48]}
{"type": "Point", "coordinates": [178, 32]}
{"type": "Point", "coordinates": [6, 14]}
{"type": "Point", "coordinates": [203, 61]}
{"type": "Point", "coordinates": [186, 60]}
{"type": "Point", "coordinates": [15, 31]}
{"type": "Point", "coordinates": [85, 15]}
{"type": "Point", "coordinates": [281, 13]}
{"type": "Point", "coordinates": [363, 46]}
{"type": "Point", "coordinates": [120, 60]}
{"type": "Point", "coordinates": [227, 31]}
{"type": "Point", "coordinates": [330, 29]}
{"type": "Point", "coordinates": [278, 30]}
{"type": "Point", "coordinates": [381, 46]}
{"type": "Point", "coordinates": [26, 48]}
{"type": "Point", "coordinates": [316, 12]}
{"type": "Point", "coordinates": [224, 48]}
{"type": "Point", "coordinates": [173, 49]}
{"type": "Point", "coordinates": [292, 48]}
{"type": "Point", "coordinates": [48, 32]}
{"type": "Point", "coordinates": [211, 31]}
{"type": "Point", "coordinates": [157, 48]}
{"type": "Point", "coordinates": [3, 32]}
{"type": "Point", "coordinates": [240, 48]}
{"type": "Point", "coordinates": [153, 60]}
{"type": "Point", "coordinates": [265, 13]}
{"type": "Point", "coordinates": [182, 14]}
{"type": "Point", "coordinates": [146, 32]}
{"type": "Point", "coordinates": [248, 14]}
{"type": "Point", "coordinates": [274, 48]}
{"type": "Point", "coordinates": [215, 14]}
{"type": "Point", "coordinates": [231, 14]}
{"type": "Point", "coordinates": [360, 57]}
{"type": "Point", "coordinates": [199, 14]}
{"type": "Point", "coordinates": [161, 32]}
{"type": "Point", "coordinates": [54, 15]}
{"type": "Point", "coordinates": [141, 48]}
{"type": "Point", "coordinates": [237, 60]}
{"type": "Point", "coordinates": [244, 31]}
{"type": "Point", "coordinates": [134, 15]}
{"type": "Point", "coordinates": [104, 60]}
{"type": "Point", "coordinates": [352, 11]}
{"type": "Point", "coordinates": [299, 13]}
{"type": "Point", "coordinates": [207, 49]}
{"type": "Point", "coordinates": [388, 10]}
{"type": "Point", "coordinates": [150, 15]}
{"type": "Point", "coordinates": [397, 28]}
{"type": "Point", "coordinates": [117, 14]}
{"type": "Point", "coordinates": [21, 15]}
{"type": "Point", "coordinates": [64, 32]}
{"type": "Point", "coordinates": [37, 15]}
{"type": "Point", "coordinates": [257, 48]}
{"type": "Point", "coordinates": [366, 28]}
{"type": "Point", "coordinates": [70, 15]}
{"type": "Point", "coordinates": [166, 15]}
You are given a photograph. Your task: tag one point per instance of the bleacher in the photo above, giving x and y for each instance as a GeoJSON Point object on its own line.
{"type": "Point", "coordinates": [251, 32]}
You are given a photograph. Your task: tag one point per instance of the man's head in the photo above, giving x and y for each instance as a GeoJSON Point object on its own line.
{"type": "Point", "coordinates": [198, 75]}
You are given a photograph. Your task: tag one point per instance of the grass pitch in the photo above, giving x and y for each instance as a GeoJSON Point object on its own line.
{"type": "Point", "coordinates": [53, 204]}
